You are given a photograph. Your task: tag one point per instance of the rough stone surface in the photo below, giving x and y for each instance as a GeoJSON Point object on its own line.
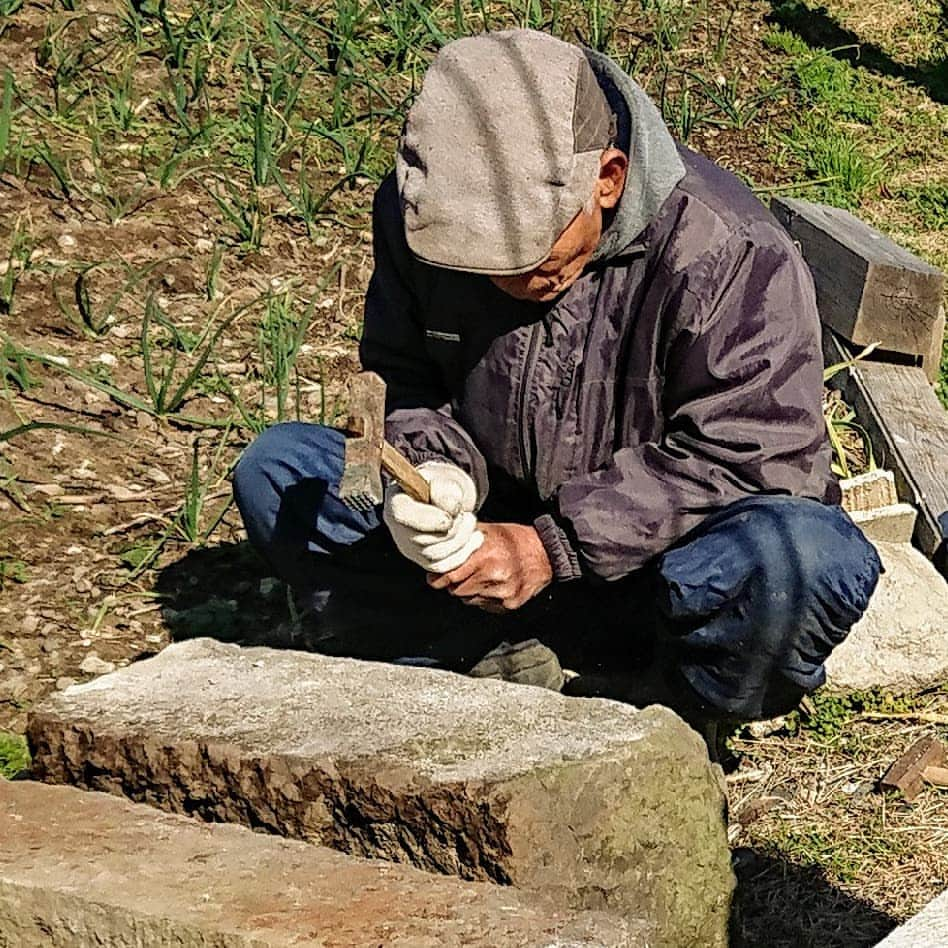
{"type": "Point", "coordinates": [87, 869]}
{"type": "Point", "coordinates": [894, 523]}
{"type": "Point", "coordinates": [594, 803]}
{"type": "Point", "coordinates": [928, 929]}
{"type": "Point", "coordinates": [868, 491]}
{"type": "Point", "coordinates": [901, 642]}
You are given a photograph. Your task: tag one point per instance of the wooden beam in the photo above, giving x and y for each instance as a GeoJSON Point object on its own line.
{"type": "Point", "coordinates": [909, 432]}
{"type": "Point", "coordinates": [869, 289]}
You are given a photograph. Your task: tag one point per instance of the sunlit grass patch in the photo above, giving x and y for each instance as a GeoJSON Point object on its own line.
{"type": "Point", "coordinates": [14, 755]}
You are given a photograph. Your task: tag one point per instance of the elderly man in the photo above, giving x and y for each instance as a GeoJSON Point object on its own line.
{"type": "Point", "coordinates": [602, 353]}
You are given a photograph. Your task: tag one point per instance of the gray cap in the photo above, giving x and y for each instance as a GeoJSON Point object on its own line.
{"type": "Point", "coordinates": [500, 151]}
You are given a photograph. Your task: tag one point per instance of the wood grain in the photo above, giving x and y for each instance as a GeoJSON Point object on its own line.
{"type": "Point", "coordinates": [868, 288]}
{"type": "Point", "coordinates": [909, 432]}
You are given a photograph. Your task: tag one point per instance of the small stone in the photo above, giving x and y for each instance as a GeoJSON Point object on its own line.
{"type": "Point", "coordinates": [900, 643]}
{"type": "Point", "coordinates": [269, 585]}
{"type": "Point", "coordinates": [66, 241]}
{"type": "Point", "coordinates": [106, 358]}
{"type": "Point", "coordinates": [93, 665]}
{"type": "Point", "coordinates": [65, 682]}
{"type": "Point", "coordinates": [30, 623]}
{"type": "Point", "coordinates": [203, 245]}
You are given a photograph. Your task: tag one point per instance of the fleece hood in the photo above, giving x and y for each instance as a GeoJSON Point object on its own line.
{"type": "Point", "coordinates": [655, 166]}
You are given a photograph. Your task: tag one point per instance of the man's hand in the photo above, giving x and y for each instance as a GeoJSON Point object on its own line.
{"type": "Point", "coordinates": [509, 569]}
{"type": "Point", "coordinates": [441, 535]}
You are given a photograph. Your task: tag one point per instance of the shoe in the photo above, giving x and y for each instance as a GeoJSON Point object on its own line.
{"type": "Point", "coordinates": [651, 686]}
{"type": "Point", "coordinates": [525, 663]}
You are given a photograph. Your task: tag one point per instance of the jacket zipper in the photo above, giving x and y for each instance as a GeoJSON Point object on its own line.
{"type": "Point", "coordinates": [529, 365]}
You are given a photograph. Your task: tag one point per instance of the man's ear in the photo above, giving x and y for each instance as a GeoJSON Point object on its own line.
{"type": "Point", "coordinates": [612, 168]}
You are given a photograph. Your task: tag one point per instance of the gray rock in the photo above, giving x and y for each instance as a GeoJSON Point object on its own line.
{"type": "Point", "coordinates": [594, 803]}
{"type": "Point", "coordinates": [93, 665]}
{"type": "Point", "coordinates": [928, 929]}
{"type": "Point", "coordinates": [901, 643]}
{"type": "Point", "coordinates": [89, 869]}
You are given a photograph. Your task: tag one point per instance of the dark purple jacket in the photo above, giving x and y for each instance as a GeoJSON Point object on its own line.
{"type": "Point", "coordinates": [677, 375]}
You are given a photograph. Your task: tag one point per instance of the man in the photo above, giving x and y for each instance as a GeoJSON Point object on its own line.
{"type": "Point", "coordinates": [602, 352]}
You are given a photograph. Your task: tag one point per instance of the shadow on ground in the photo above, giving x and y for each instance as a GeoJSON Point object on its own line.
{"type": "Point", "coordinates": [818, 28]}
{"type": "Point", "coordinates": [225, 592]}
{"type": "Point", "coordinates": [782, 905]}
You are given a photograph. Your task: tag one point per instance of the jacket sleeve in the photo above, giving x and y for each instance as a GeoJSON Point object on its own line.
{"type": "Point", "coordinates": [741, 400]}
{"type": "Point", "coordinates": [418, 412]}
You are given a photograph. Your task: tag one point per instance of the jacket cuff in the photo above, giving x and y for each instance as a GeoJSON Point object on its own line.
{"type": "Point", "coordinates": [563, 557]}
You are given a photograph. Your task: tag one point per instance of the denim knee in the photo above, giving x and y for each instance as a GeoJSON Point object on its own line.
{"type": "Point", "coordinates": [760, 596]}
{"type": "Point", "coordinates": [285, 487]}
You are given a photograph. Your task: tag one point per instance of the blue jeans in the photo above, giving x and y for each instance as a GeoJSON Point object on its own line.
{"type": "Point", "coordinates": [747, 607]}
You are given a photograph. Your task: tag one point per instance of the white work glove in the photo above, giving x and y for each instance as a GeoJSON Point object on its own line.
{"type": "Point", "coordinates": [441, 535]}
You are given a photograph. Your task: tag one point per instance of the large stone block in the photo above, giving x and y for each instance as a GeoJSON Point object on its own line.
{"type": "Point", "coordinates": [928, 929]}
{"type": "Point", "coordinates": [901, 642]}
{"type": "Point", "coordinates": [86, 869]}
{"type": "Point", "coordinates": [597, 804]}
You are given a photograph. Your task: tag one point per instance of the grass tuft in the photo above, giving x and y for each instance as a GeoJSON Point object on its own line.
{"type": "Point", "coordinates": [14, 755]}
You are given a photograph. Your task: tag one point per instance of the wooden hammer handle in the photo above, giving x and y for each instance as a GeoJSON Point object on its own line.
{"type": "Point", "coordinates": [410, 481]}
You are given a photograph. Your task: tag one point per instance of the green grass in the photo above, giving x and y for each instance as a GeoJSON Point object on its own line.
{"type": "Point", "coordinates": [14, 755]}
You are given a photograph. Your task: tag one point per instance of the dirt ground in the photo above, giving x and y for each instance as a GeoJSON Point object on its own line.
{"type": "Point", "coordinates": [159, 314]}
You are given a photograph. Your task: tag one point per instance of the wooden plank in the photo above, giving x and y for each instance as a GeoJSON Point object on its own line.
{"type": "Point", "coordinates": [909, 431]}
{"type": "Point", "coordinates": [931, 363]}
{"type": "Point", "coordinates": [869, 289]}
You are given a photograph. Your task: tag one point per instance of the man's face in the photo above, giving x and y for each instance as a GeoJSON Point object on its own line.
{"type": "Point", "coordinates": [575, 246]}
{"type": "Point", "coordinates": [570, 254]}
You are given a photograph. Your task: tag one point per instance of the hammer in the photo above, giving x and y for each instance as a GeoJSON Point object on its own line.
{"type": "Point", "coordinates": [368, 453]}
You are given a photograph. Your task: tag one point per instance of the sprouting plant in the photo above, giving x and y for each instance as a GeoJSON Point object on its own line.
{"type": "Point", "coordinates": [96, 320]}
{"type": "Point", "coordinates": [281, 334]}
{"type": "Point", "coordinates": [192, 523]}
{"type": "Point", "coordinates": [241, 210]}
{"type": "Point", "coordinates": [6, 117]}
{"type": "Point", "coordinates": [15, 265]}
{"type": "Point", "coordinates": [212, 273]}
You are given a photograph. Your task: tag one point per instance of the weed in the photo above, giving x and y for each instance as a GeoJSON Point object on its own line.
{"type": "Point", "coordinates": [825, 715]}
{"type": "Point", "coordinates": [845, 172]}
{"type": "Point", "coordinates": [14, 755]}
{"type": "Point", "coordinates": [12, 571]}
{"type": "Point", "coordinates": [931, 202]}
{"type": "Point", "coordinates": [828, 84]}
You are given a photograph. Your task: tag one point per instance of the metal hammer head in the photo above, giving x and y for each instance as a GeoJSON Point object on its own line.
{"type": "Point", "coordinates": [361, 484]}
